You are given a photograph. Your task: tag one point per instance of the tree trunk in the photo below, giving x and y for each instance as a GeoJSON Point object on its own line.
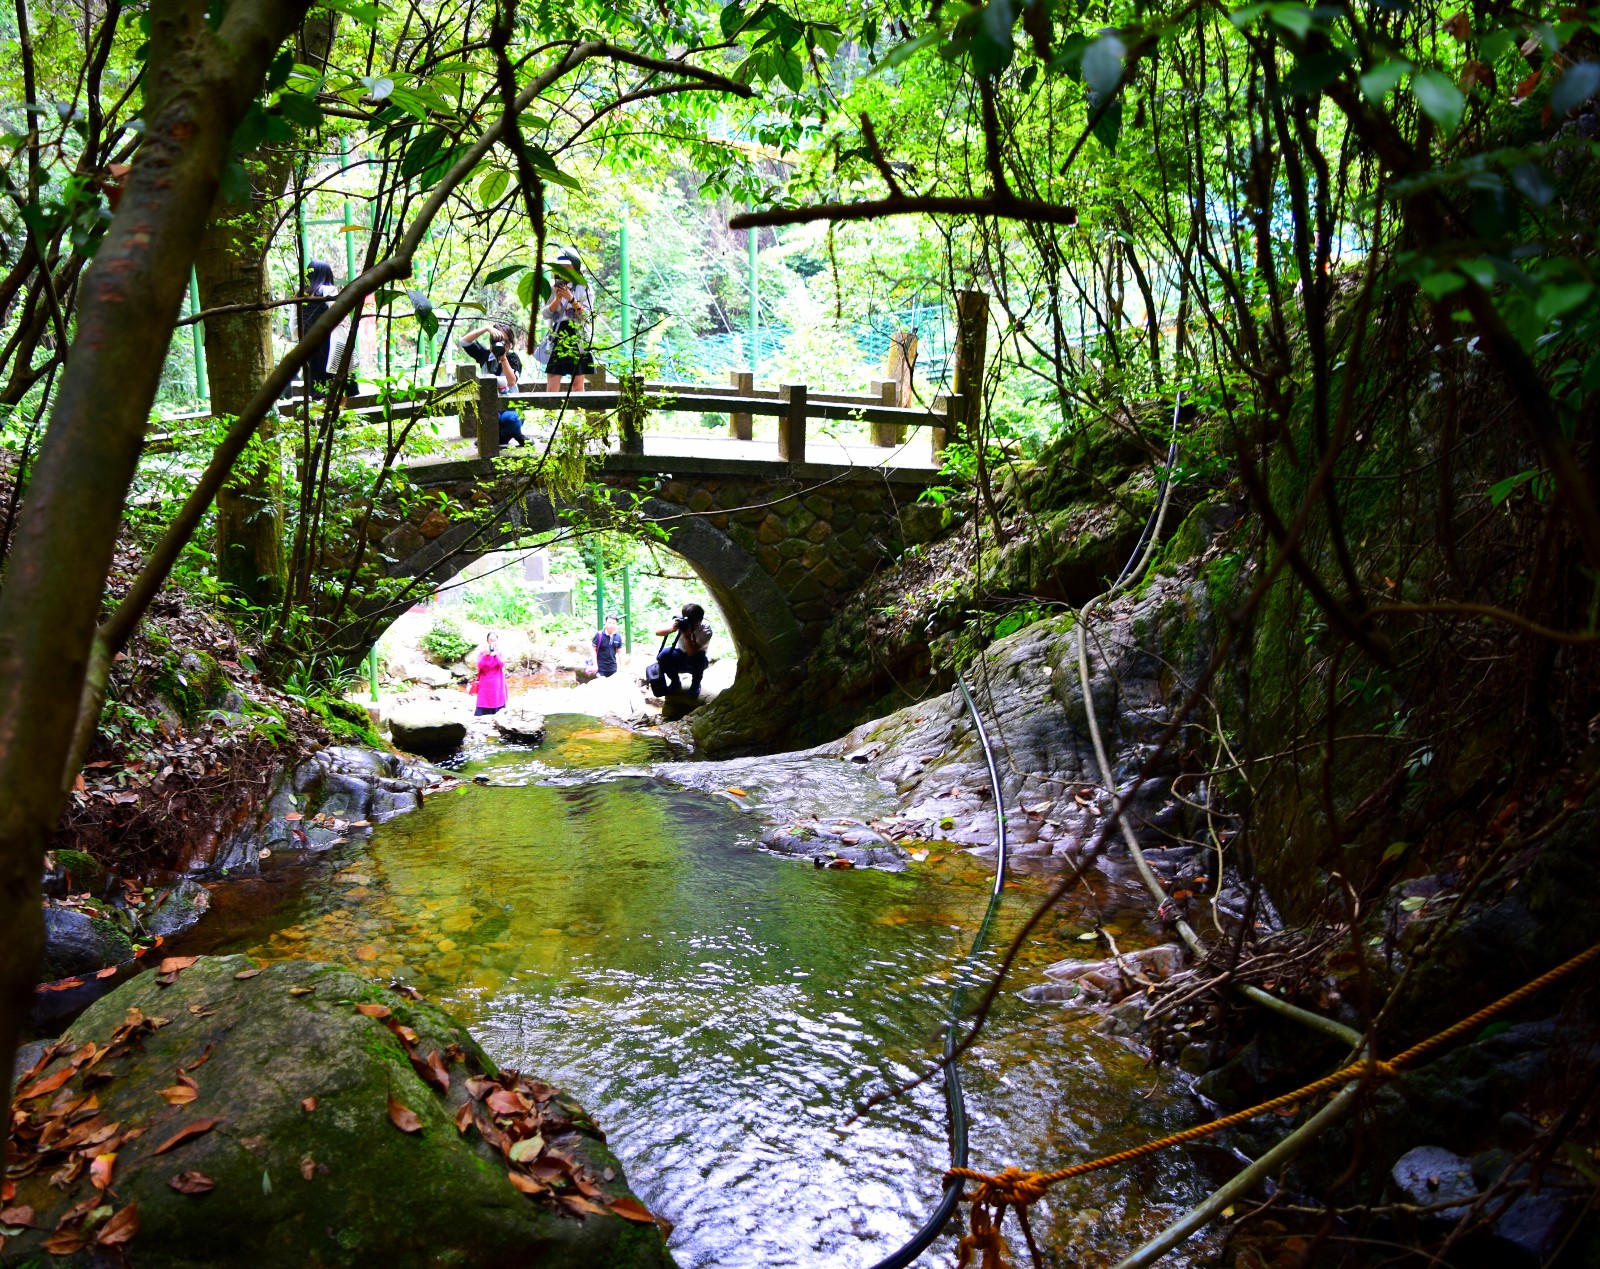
{"type": "Point", "coordinates": [198, 85]}
{"type": "Point", "coordinates": [231, 269]}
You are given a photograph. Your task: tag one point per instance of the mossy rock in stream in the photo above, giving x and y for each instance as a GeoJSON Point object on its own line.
{"type": "Point", "coordinates": [339, 1184]}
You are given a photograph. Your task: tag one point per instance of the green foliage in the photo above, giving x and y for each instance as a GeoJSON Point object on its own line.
{"type": "Point", "coordinates": [444, 641]}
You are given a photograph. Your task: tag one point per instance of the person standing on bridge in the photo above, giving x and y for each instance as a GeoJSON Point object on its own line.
{"type": "Point", "coordinates": [567, 350]}
{"type": "Point", "coordinates": [691, 635]}
{"type": "Point", "coordinates": [320, 363]}
{"type": "Point", "coordinates": [489, 686]}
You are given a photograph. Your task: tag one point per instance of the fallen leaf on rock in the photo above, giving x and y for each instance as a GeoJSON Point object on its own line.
{"type": "Point", "coordinates": [464, 1117]}
{"type": "Point", "coordinates": [179, 1094]}
{"type": "Point", "coordinates": [374, 1011]}
{"type": "Point", "coordinates": [120, 1228]}
{"type": "Point", "coordinates": [581, 1206]}
{"type": "Point", "coordinates": [293, 816]}
{"type": "Point", "coordinates": [107, 971]}
{"type": "Point", "coordinates": [100, 1170]}
{"type": "Point", "coordinates": [403, 1117]}
{"type": "Point", "coordinates": [47, 1085]}
{"type": "Point", "coordinates": [17, 1217]}
{"type": "Point", "coordinates": [65, 1243]}
{"type": "Point", "coordinates": [171, 965]}
{"type": "Point", "coordinates": [201, 1011]}
{"type": "Point", "coordinates": [527, 1184]}
{"type": "Point", "coordinates": [308, 1167]}
{"type": "Point", "coordinates": [505, 1102]}
{"type": "Point", "coordinates": [308, 1104]}
{"type": "Point", "coordinates": [738, 793]}
{"type": "Point", "coordinates": [408, 1037]}
{"type": "Point", "coordinates": [192, 1183]}
{"type": "Point", "coordinates": [183, 1134]}
{"type": "Point", "coordinates": [527, 1149]}
{"type": "Point", "coordinates": [199, 1061]}
{"type": "Point", "coordinates": [250, 973]}
{"type": "Point", "coordinates": [631, 1209]}
{"type": "Point", "coordinates": [301, 991]}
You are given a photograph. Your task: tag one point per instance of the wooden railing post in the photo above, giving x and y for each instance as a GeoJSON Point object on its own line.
{"type": "Point", "coordinates": [742, 427]}
{"type": "Point", "coordinates": [792, 424]}
{"type": "Point", "coordinates": [467, 411]}
{"type": "Point", "coordinates": [955, 408]}
{"type": "Point", "coordinates": [888, 434]}
{"type": "Point", "coordinates": [972, 353]}
{"type": "Point", "coordinates": [630, 414]}
{"type": "Point", "coordinates": [488, 416]}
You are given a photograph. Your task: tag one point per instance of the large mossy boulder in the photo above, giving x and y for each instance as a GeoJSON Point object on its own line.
{"type": "Point", "coordinates": [80, 940]}
{"type": "Point", "coordinates": [266, 1120]}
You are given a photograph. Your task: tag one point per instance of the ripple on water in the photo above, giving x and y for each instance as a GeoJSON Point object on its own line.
{"type": "Point", "coordinates": [721, 1012]}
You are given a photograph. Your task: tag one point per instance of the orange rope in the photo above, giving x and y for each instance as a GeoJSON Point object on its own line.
{"type": "Point", "coordinates": [1016, 1187]}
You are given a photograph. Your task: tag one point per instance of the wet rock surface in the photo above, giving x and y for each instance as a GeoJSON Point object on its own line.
{"type": "Point", "coordinates": [522, 726]}
{"type": "Point", "coordinates": [837, 843]}
{"type": "Point", "coordinates": [432, 726]}
{"type": "Point", "coordinates": [95, 919]}
{"type": "Point", "coordinates": [212, 1142]}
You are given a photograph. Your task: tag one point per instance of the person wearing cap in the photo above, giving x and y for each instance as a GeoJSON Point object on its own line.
{"type": "Point", "coordinates": [567, 345]}
{"type": "Point", "coordinates": [607, 643]}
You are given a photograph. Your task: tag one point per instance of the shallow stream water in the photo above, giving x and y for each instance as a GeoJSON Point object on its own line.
{"type": "Point", "coordinates": [601, 918]}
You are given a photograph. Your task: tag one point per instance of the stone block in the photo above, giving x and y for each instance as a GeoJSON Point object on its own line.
{"type": "Point", "coordinates": [771, 530]}
{"type": "Point", "coordinates": [402, 542]}
{"type": "Point", "coordinates": [843, 517]}
{"type": "Point", "coordinates": [829, 574]}
{"type": "Point", "coordinates": [770, 559]}
{"type": "Point", "coordinates": [789, 575]}
{"type": "Point", "coordinates": [866, 559]}
{"type": "Point", "coordinates": [866, 500]}
{"type": "Point", "coordinates": [701, 501]}
{"type": "Point", "coordinates": [813, 610]}
{"type": "Point", "coordinates": [803, 588]}
{"type": "Point", "coordinates": [792, 548]}
{"type": "Point", "coordinates": [819, 506]}
{"type": "Point", "coordinates": [674, 491]}
{"type": "Point", "coordinates": [719, 521]}
{"type": "Point", "coordinates": [821, 531]}
{"type": "Point", "coordinates": [797, 522]}
{"type": "Point", "coordinates": [812, 556]}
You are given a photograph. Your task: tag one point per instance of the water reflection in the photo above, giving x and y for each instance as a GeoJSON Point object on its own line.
{"type": "Point", "coordinates": [720, 1011]}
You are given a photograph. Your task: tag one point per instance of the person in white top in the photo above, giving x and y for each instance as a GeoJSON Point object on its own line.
{"type": "Point", "coordinates": [567, 346]}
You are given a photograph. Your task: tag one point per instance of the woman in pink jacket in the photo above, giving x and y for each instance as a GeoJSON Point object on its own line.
{"type": "Point", "coordinates": [490, 684]}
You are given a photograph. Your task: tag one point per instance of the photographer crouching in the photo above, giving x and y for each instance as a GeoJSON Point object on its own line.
{"type": "Point", "coordinates": [687, 655]}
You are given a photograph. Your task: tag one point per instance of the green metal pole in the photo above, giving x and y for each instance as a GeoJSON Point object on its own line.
{"type": "Point", "coordinates": [202, 389]}
{"type": "Point", "coordinates": [627, 612]}
{"type": "Point", "coordinates": [755, 311]}
{"type": "Point", "coordinates": [372, 670]}
{"type": "Point", "coordinates": [350, 260]}
{"type": "Point", "coordinates": [599, 585]}
{"type": "Point", "coordinates": [305, 243]}
{"type": "Point", "coordinates": [626, 286]}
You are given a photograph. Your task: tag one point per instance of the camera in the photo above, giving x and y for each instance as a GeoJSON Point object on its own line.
{"type": "Point", "coordinates": [499, 347]}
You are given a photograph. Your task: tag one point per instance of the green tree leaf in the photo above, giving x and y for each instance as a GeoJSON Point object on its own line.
{"type": "Point", "coordinates": [1440, 99]}
{"type": "Point", "coordinates": [493, 186]}
{"type": "Point", "coordinates": [1102, 63]}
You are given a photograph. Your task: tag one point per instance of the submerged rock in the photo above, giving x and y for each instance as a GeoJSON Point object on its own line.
{"type": "Point", "coordinates": [265, 1121]}
{"type": "Point", "coordinates": [177, 909]}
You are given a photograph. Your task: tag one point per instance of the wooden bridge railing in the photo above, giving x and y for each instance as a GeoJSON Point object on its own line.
{"type": "Point", "coordinates": [793, 405]}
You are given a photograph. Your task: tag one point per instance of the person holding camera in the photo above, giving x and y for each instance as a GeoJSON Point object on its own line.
{"type": "Point", "coordinates": [607, 643]}
{"type": "Point", "coordinates": [499, 358]}
{"type": "Point", "coordinates": [565, 350]}
{"type": "Point", "coordinates": [691, 635]}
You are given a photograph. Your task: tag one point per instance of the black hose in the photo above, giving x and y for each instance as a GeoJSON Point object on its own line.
{"type": "Point", "coordinates": [955, 1100]}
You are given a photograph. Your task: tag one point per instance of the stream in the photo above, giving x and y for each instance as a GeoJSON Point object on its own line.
{"type": "Point", "coordinates": [599, 917]}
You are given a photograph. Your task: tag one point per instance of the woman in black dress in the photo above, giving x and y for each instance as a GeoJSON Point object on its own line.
{"type": "Point", "coordinates": [568, 343]}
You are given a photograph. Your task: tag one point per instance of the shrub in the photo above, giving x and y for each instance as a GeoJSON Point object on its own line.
{"type": "Point", "coordinates": [444, 643]}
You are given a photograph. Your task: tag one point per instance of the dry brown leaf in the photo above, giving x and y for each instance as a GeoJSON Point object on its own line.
{"type": "Point", "coordinates": [527, 1184]}
{"type": "Point", "coordinates": [251, 973]}
{"type": "Point", "coordinates": [301, 991]}
{"type": "Point", "coordinates": [403, 1117]}
{"type": "Point", "coordinates": [204, 1057]}
{"type": "Point", "coordinates": [173, 964]}
{"type": "Point", "coordinates": [201, 1011]}
{"type": "Point", "coordinates": [47, 1085]}
{"type": "Point", "coordinates": [374, 1011]}
{"type": "Point", "coordinates": [1459, 26]}
{"type": "Point", "coordinates": [65, 1243]}
{"type": "Point", "coordinates": [192, 1183]}
{"type": "Point", "coordinates": [120, 1228]}
{"type": "Point", "coordinates": [631, 1209]}
{"type": "Point", "coordinates": [180, 1094]}
{"type": "Point", "coordinates": [308, 1167]}
{"type": "Point", "coordinates": [308, 1104]}
{"type": "Point", "coordinates": [505, 1102]}
{"type": "Point", "coordinates": [464, 1117]}
{"type": "Point", "coordinates": [18, 1217]}
{"type": "Point", "coordinates": [581, 1206]}
{"type": "Point", "coordinates": [183, 1134]}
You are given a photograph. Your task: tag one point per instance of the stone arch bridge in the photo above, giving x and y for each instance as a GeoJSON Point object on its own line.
{"type": "Point", "coordinates": [780, 545]}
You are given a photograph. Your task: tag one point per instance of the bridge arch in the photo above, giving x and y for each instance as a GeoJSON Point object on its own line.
{"type": "Point", "coordinates": [779, 550]}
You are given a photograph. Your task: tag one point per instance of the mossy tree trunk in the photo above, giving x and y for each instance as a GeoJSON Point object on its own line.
{"type": "Point", "coordinates": [231, 270]}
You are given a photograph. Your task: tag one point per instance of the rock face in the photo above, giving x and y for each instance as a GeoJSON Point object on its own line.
{"type": "Point", "coordinates": [522, 726]}
{"type": "Point", "coordinates": [434, 728]}
{"type": "Point", "coordinates": [79, 940]}
{"type": "Point", "coordinates": [301, 1134]}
